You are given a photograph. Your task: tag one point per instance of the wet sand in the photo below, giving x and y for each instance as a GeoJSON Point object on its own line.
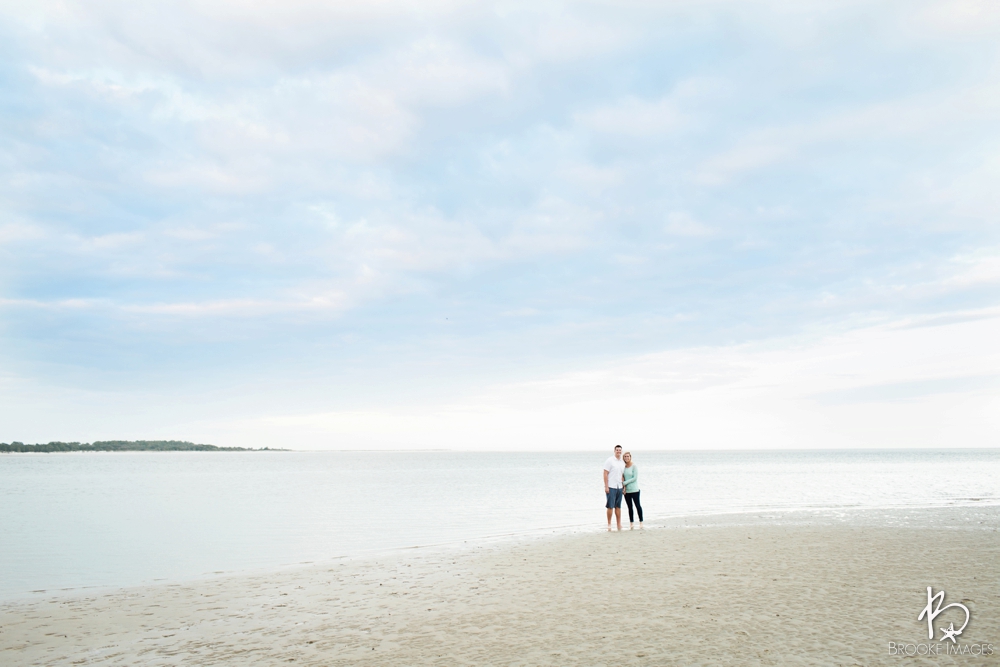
{"type": "Point", "coordinates": [751, 590]}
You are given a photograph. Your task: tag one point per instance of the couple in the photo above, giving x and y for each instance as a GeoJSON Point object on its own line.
{"type": "Point", "coordinates": [619, 471]}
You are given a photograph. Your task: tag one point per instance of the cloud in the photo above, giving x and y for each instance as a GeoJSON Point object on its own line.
{"type": "Point", "coordinates": [873, 387]}
{"type": "Point", "coordinates": [680, 223]}
{"type": "Point", "coordinates": [319, 185]}
{"type": "Point", "coordinates": [60, 304]}
{"type": "Point", "coordinates": [634, 118]}
{"type": "Point", "coordinates": [19, 231]}
{"type": "Point", "coordinates": [752, 156]}
{"type": "Point", "coordinates": [979, 268]}
{"type": "Point", "coordinates": [240, 307]}
{"type": "Point", "coordinates": [914, 389]}
{"type": "Point", "coordinates": [958, 19]}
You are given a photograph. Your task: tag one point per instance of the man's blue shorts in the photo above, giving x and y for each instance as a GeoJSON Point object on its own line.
{"type": "Point", "coordinates": [614, 499]}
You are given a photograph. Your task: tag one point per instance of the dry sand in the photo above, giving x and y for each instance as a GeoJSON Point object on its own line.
{"type": "Point", "coordinates": [732, 591]}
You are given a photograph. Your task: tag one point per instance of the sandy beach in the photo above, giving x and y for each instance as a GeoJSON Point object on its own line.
{"type": "Point", "coordinates": [737, 590]}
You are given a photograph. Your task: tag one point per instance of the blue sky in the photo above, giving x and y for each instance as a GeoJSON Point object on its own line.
{"type": "Point", "coordinates": [389, 225]}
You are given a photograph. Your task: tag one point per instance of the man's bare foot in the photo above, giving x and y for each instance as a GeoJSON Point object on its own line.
{"type": "Point", "coordinates": [609, 527]}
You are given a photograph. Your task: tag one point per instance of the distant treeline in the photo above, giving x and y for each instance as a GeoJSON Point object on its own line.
{"type": "Point", "coordinates": [121, 446]}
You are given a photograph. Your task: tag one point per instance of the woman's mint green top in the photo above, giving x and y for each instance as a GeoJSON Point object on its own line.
{"type": "Point", "coordinates": [632, 479]}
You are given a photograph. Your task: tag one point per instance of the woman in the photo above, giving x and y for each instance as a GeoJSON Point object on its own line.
{"type": "Point", "coordinates": [632, 489]}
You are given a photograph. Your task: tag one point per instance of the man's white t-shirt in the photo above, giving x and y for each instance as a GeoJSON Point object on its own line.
{"type": "Point", "coordinates": [615, 468]}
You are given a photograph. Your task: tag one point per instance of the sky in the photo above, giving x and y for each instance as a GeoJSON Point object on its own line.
{"type": "Point", "coordinates": [501, 225]}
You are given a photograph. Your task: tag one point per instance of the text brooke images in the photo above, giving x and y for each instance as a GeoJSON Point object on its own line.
{"type": "Point", "coordinates": [903, 649]}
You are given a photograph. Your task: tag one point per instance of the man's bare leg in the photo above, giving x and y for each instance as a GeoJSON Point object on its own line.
{"type": "Point", "coordinates": [609, 520]}
{"type": "Point", "coordinates": [618, 516]}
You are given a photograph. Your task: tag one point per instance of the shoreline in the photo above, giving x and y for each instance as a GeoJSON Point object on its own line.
{"type": "Point", "coordinates": [843, 589]}
{"type": "Point", "coordinates": [820, 516]}
{"type": "Point", "coordinates": [735, 518]}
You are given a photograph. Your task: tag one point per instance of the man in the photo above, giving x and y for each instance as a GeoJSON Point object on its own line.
{"type": "Point", "coordinates": [614, 473]}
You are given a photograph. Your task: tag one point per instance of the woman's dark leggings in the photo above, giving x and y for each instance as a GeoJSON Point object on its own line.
{"type": "Point", "coordinates": [633, 498]}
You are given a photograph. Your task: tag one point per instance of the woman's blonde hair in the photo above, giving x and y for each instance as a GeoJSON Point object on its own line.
{"type": "Point", "coordinates": [624, 454]}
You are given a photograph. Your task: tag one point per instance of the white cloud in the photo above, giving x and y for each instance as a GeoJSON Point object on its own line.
{"type": "Point", "coordinates": [908, 116]}
{"type": "Point", "coordinates": [436, 73]}
{"type": "Point", "coordinates": [957, 19]}
{"type": "Point", "coordinates": [112, 242]}
{"type": "Point", "coordinates": [636, 118]}
{"type": "Point", "coordinates": [981, 268]}
{"type": "Point", "coordinates": [233, 178]}
{"type": "Point", "coordinates": [749, 156]}
{"type": "Point", "coordinates": [550, 35]}
{"type": "Point", "coordinates": [12, 232]}
{"type": "Point", "coordinates": [243, 308]}
{"type": "Point", "coordinates": [56, 304]}
{"type": "Point", "coordinates": [681, 223]}
{"type": "Point", "coordinates": [886, 386]}
{"type": "Point", "coordinates": [521, 312]}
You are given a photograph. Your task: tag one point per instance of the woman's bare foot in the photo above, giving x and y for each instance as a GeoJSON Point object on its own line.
{"type": "Point", "coordinates": [640, 525]}
{"type": "Point", "coordinates": [631, 526]}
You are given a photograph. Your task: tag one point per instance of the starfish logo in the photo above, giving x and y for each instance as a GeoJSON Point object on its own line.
{"type": "Point", "coordinates": [934, 609]}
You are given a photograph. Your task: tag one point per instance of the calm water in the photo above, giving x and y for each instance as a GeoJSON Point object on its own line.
{"type": "Point", "coordinates": [78, 520]}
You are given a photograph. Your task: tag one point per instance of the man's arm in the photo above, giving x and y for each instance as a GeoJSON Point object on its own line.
{"type": "Point", "coordinates": [606, 489]}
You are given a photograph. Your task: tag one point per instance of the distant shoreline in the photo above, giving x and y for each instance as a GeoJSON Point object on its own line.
{"type": "Point", "coordinates": [123, 446]}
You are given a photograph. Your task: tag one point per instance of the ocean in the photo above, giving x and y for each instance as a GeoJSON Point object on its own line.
{"type": "Point", "coordinates": [84, 520]}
